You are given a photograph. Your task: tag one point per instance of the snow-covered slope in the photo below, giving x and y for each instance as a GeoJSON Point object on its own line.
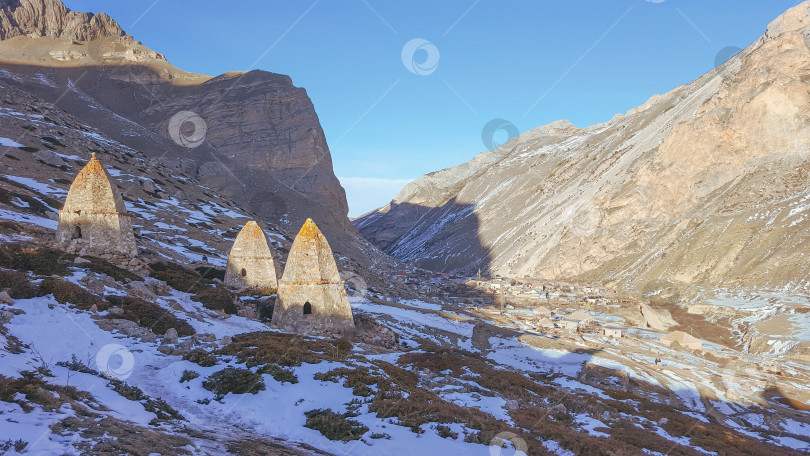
{"type": "Point", "coordinates": [451, 384]}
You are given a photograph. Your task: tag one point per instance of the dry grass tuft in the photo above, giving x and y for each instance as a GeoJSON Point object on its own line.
{"type": "Point", "coordinates": [39, 260]}
{"type": "Point", "coordinates": [201, 357]}
{"type": "Point", "coordinates": [335, 426]}
{"type": "Point", "coordinates": [18, 283]}
{"type": "Point", "coordinates": [258, 348]}
{"type": "Point", "coordinates": [67, 292]}
{"type": "Point", "coordinates": [234, 380]}
{"type": "Point", "coordinates": [150, 315]}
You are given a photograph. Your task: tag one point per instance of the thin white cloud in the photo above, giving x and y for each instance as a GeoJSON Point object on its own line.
{"type": "Point", "coordinates": [368, 193]}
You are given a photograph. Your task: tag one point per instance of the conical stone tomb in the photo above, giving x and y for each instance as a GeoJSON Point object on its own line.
{"type": "Point", "coordinates": [311, 296]}
{"type": "Point", "coordinates": [250, 263]}
{"type": "Point", "coordinates": [94, 218]}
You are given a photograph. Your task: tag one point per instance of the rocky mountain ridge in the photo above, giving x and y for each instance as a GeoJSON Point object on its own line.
{"type": "Point", "coordinates": [704, 186]}
{"type": "Point", "coordinates": [262, 144]}
{"type": "Point", "coordinates": [50, 18]}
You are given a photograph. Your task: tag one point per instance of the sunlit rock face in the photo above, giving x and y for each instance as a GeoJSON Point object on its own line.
{"type": "Point", "coordinates": [311, 296]}
{"type": "Point", "coordinates": [703, 186]}
{"type": "Point", "coordinates": [251, 264]}
{"type": "Point", "coordinates": [50, 18]}
{"type": "Point", "coordinates": [94, 219]}
{"type": "Point", "coordinates": [262, 145]}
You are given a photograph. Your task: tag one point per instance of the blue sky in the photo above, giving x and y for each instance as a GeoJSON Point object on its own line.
{"type": "Point", "coordinates": [528, 62]}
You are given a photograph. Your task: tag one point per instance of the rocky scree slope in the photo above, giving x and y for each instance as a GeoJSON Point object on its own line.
{"type": "Point", "coordinates": [706, 185]}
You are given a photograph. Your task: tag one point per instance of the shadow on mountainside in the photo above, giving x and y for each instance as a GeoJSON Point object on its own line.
{"type": "Point", "coordinates": [415, 233]}
{"type": "Point", "coordinates": [262, 144]}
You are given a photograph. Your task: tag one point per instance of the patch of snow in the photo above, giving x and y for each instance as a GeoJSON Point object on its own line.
{"type": "Point", "coordinates": [34, 428]}
{"type": "Point", "coordinates": [523, 357]}
{"type": "Point", "coordinates": [590, 424]}
{"type": "Point", "coordinates": [37, 186]}
{"type": "Point", "coordinates": [8, 142]}
{"type": "Point", "coordinates": [28, 218]}
{"type": "Point", "coordinates": [796, 444]}
{"type": "Point", "coordinates": [555, 448]}
{"type": "Point", "coordinates": [430, 320]}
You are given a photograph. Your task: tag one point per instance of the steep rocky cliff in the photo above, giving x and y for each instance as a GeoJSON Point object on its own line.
{"type": "Point", "coordinates": [706, 185]}
{"type": "Point", "coordinates": [35, 18]}
{"type": "Point", "coordinates": [260, 141]}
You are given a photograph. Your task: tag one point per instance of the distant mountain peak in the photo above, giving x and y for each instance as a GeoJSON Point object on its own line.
{"type": "Point", "coordinates": [52, 19]}
{"type": "Point", "coordinates": [633, 201]}
{"type": "Point", "coordinates": [793, 20]}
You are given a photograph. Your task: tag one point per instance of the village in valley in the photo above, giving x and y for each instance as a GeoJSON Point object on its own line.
{"type": "Point", "coordinates": [565, 311]}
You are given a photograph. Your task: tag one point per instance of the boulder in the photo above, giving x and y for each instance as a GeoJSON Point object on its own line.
{"type": "Point", "coordinates": [147, 336]}
{"type": "Point", "coordinates": [157, 287]}
{"type": "Point", "coordinates": [170, 337]}
{"type": "Point", "coordinates": [97, 283]}
{"type": "Point", "coordinates": [660, 320]}
{"type": "Point", "coordinates": [50, 158]}
{"type": "Point", "coordinates": [128, 328]}
{"type": "Point", "coordinates": [141, 290]}
{"type": "Point", "coordinates": [148, 186]}
{"type": "Point", "coordinates": [247, 312]}
{"type": "Point", "coordinates": [6, 298]}
{"type": "Point", "coordinates": [187, 344]}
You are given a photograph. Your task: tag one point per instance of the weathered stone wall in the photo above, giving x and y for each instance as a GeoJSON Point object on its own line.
{"type": "Point", "coordinates": [93, 218]}
{"type": "Point", "coordinates": [250, 262]}
{"type": "Point", "coordinates": [331, 311]}
{"type": "Point", "coordinates": [311, 277]}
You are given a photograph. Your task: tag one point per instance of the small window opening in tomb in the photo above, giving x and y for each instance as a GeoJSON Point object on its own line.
{"type": "Point", "coordinates": [244, 272]}
{"type": "Point", "coordinates": [307, 308]}
{"type": "Point", "coordinates": [77, 232]}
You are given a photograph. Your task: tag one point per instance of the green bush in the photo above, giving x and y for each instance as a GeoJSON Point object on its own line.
{"type": "Point", "coordinates": [150, 315]}
{"type": "Point", "coordinates": [335, 426]}
{"type": "Point", "coordinates": [68, 292]}
{"type": "Point", "coordinates": [234, 380]}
